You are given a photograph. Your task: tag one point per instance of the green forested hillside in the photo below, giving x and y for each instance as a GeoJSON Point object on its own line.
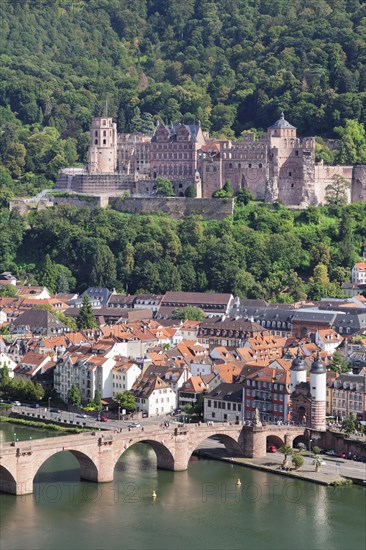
{"type": "Point", "coordinates": [265, 251]}
{"type": "Point", "coordinates": [233, 64]}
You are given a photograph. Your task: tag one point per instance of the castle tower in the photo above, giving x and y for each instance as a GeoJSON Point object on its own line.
{"type": "Point", "coordinates": [318, 391]}
{"type": "Point", "coordinates": [297, 372]}
{"type": "Point", "coordinates": [282, 128]}
{"type": "Point", "coordinates": [102, 154]}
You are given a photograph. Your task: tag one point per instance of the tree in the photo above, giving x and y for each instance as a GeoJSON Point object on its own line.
{"type": "Point", "coordinates": [297, 461]}
{"type": "Point", "coordinates": [352, 148]}
{"type": "Point", "coordinates": [86, 318]}
{"type": "Point", "coordinates": [190, 192]}
{"type": "Point", "coordinates": [74, 396]}
{"type": "Point", "coordinates": [225, 192]}
{"type": "Point", "coordinates": [346, 253]}
{"type": "Point", "coordinates": [199, 405]}
{"type": "Point", "coordinates": [320, 254]}
{"type": "Point", "coordinates": [97, 401]}
{"type": "Point", "coordinates": [323, 152]}
{"type": "Point", "coordinates": [287, 451]}
{"type": "Point", "coordinates": [48, 277]}
{"type": "Point", "coordinates": [164, 187]}
{"type": "Point", "coordinates": [126, 400]}
{"type": "Point", "coordinates": [336, 192]}
{"type": "Point", "coordinates": [349, 424]}
{"type": "Point", "coordinates": [4, 378]}
{"type": "Point", "coordinates": [244, 196]}
{"type": "Point", "coordinates": [8, 290]}
{"type": "Point", "coordinates": [190, 313]}
{"type": "Point", "coordinates": [338, 363]}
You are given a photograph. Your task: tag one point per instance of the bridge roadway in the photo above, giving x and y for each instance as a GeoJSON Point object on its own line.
{"type": "Point", "coordinates": [98, 452]}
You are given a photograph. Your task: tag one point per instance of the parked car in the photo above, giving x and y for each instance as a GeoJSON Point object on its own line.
{"type": "Point", "coordinates": [103, 418]}
{"type": "Point", "coordinates": [341, 455]}
{"type": "Point", "coordinates": [271, 449]}
{"type": "Point", "coordinates": [331, 453]}
{"type": "Point", "coordinates": [134, 425]}
{"type": "Point", "coordinates": [16, 403]}
{"type": "Point", "coordinates": [35, 405]}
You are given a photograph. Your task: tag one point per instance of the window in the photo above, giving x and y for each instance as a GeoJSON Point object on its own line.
{"type": "Point", "coordinates": [209, 402]}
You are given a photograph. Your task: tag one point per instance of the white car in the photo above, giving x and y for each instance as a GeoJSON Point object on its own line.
{"type": "Point", "coordinates": [17, 403]}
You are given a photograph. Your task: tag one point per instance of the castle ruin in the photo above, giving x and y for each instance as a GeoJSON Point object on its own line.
{"type": "Point", "coordinates": [277, 166]}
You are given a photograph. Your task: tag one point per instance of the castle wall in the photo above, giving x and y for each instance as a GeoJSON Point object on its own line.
{"type": "Point", "coordinates": [175, 207]}
{"type": "Point", "coordinates": [95, 183]}
{"type": "Point", "coordinates": [245, 164]}
{"type": "Point", "coordinates": [358, 189]}
{"type": "Point", "coordinates": [323, 177]}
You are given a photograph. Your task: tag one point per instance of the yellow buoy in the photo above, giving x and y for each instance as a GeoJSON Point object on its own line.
{"type": "Point", "coordinates": [154, 495]}
{"type": "Point", "coordinates": [238, 482]}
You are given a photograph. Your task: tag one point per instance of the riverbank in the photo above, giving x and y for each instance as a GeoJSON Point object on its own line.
{"type": "Point", "coordinates": [326, 476]}
{"type": "Point", "coordinates": [43, 425]}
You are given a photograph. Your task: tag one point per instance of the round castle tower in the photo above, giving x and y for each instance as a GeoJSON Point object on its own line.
{"type": "Point", "coordinates": [297, 372]}
{"type": "Point", "coordinates": [102, 154]}
{"type": "Point", "coordinates": [318, 391]}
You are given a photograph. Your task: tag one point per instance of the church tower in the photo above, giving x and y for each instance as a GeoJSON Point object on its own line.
{"type": "Point", "coordinates": [318, 390]}
{"type": "Point", "coordinates": [297, 372]}
{"type": "Point", "coordinates": [102, 154]}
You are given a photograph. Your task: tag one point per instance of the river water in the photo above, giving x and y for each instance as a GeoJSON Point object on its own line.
{"type": "Point", "coordinates": [201, 508]}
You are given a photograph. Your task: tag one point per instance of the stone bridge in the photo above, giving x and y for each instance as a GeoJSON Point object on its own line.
{"type": "Point", "coordinates": [98, 452]}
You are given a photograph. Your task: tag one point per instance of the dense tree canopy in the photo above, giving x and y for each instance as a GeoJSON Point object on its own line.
{"type": "Point", "coordinates": [232, 64]}
{"type": "Point", "coordinates": [263, 251]}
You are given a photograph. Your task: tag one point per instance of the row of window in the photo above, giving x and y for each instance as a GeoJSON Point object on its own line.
{"type": "Point", "coordinates": [264, 385]}
{"type": "Point", "coordinates": [168, 156]}
{"type": "Point", "coordinates": [343, 394]}
{"type": "Point", "coordinates": [224, 405]}
{"type": "Point", "coordinates": [162, 400]}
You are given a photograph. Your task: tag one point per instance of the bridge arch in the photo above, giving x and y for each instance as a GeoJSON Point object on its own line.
{"type": "Point", "coordinates": [231, 444]}
{"type": "Point", "coordinates": [7, 481]}
{"type": "Point", "coordinates": [164, 457]}
{"type": "Point", "coordinates": [302, 438]}
{"type": "Point", "coordinates": [88, 468]}
{"type": "Point", "coordinates": [273, 439]}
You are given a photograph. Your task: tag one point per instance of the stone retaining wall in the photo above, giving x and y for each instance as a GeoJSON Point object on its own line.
{"type": "Point", "coordinates": [175, 207]}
